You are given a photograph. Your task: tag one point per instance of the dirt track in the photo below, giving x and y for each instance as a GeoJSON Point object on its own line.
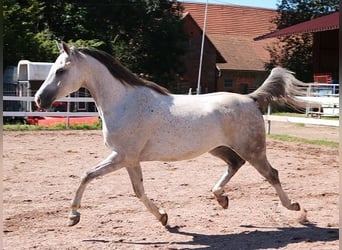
{"type": "Point", "coordinates": [42, 170]}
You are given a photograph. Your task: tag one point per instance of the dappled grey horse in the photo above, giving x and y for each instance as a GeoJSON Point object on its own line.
{"type": "Point", "coordinates": [144, 122]}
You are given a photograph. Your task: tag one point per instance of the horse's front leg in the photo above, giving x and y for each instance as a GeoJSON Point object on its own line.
{"type": "Point", "coordinates": [136, 176]}
{"type": "Point", "coordinates": [110, 164]}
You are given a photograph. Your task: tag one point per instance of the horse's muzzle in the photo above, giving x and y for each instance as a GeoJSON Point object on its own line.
{"type": "Point", "coordinates": [43, 101]}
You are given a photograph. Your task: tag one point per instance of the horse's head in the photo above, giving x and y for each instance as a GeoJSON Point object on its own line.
{"type": "Point", "coordinates": [64, 77]}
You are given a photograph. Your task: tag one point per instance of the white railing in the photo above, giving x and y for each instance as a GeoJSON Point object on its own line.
{"type": "Point", "coordinates": [320, 96]}
{"type": "Point", "coordinates": [324, 98]}
{"type": "Point", "coordinates": [30, 99]}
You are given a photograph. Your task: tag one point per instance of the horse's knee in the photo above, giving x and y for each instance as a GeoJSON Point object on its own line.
{"type": "Point", "coordinates": [94, 173]}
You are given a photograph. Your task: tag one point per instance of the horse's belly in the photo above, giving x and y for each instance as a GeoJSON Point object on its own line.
{"type": "Point", "coordinates": [181, 145]}
{"type": "Point", "coordinates": [175, 153]}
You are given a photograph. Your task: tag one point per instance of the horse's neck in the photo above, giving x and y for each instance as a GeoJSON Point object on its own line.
{"type": "Point", "coordinates": [104, 88]}
{"type": "Point", "coordinates": [110, 94]}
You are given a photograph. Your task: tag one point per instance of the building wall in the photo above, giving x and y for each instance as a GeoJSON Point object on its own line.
{"type": "Point", "coordinates": [192, 59]}
{"type": "Point", "coordinates": [325, 53]}
{"type": "Point", "coordinates": [239, 81]}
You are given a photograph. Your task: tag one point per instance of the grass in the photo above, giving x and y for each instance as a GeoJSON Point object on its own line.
{"type": "Point", "coordinates": [289, 138]}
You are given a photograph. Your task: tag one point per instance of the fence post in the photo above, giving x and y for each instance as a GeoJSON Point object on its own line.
{"type": "Point", "coordinates": [268, 119]}
{"type": "Point", "coordinates": [68, 110]}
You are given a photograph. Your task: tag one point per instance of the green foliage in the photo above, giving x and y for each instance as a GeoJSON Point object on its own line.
{"type": "Point", "coordinates": [20, 27]}
{"type": "Point", "coordinates": [295, 51]}
{"type": "Point", "coordinates": [297, 11]}
{"type": "Point", "coordinates": [146, 35]}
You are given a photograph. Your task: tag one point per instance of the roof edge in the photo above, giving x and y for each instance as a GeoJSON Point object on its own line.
{"type": "Point", "coordinates": [291, 30]}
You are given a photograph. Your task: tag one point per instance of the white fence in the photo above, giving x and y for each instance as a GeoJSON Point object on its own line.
{"type": "Point", "coordinates": [302, 120]}
{"type": "Point", "coordinates": [29, 100]}
{"type": "Point", "coordinates": [324, 98]}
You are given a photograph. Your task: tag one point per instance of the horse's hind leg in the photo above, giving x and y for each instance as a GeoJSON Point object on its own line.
{"type": "Point", "coordinates": [271, 174]}
{"type": "Point", "coordinates": [234, 162]}
{"type": "Point", "coordinates": [136, 176]}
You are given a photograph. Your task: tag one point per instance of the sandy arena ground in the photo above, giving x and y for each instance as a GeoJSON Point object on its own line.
{"type": "Point", "coordinates": [42, 171]}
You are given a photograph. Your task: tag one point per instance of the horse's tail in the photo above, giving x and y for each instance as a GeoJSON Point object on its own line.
{"type": "Point", "coordinates": [281, 87]}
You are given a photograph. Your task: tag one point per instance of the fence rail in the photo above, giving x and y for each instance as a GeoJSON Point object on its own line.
{"type": "Point", "coordinates": [42, 114]}
{"type": "Point", "coordinates": [302, 120]}
{"type": "Point", "coordinates": [64, 99]}
{"type": "Point", "coordinates": [324, 98]}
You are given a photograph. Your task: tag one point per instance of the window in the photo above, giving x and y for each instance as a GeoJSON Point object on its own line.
{"type": "Point", "coordinates": [82, 92]}
{"type": "Point", "coordinates": [228, 83]}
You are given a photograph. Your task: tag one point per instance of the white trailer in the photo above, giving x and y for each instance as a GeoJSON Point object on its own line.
{"type": "Point", "coordinates": [30, 77]}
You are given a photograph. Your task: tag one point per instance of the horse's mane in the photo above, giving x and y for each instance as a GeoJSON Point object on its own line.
{"type": "Point", "coordinates": [120, 72]}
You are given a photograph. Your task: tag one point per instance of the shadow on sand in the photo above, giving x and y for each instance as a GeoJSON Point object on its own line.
{"type": "Point", "coordinates": [248, 240]}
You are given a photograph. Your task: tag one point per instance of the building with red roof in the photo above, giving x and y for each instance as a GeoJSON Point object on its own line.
{"type": "Point", "coordinates": [233, 61]}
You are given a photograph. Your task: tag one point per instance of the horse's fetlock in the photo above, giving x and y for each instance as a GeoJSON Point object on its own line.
{"type": "Point", "coordinates": [75, 206]}
{"type": "Point", "coordinates": [217, 191]}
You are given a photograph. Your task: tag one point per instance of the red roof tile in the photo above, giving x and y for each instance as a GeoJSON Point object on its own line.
{"type": "Point", "coordinates": [328, 22]}
{"type": "Point", "coordinates": [241, 52]}
{"type": "Point", "coordinates": [231, 19]}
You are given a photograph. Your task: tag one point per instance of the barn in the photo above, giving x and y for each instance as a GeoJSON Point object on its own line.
{"type": "Point", "coordinates": [233, 61]}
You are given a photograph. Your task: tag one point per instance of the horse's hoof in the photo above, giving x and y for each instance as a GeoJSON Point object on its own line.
{"type": "Point", "coordinates": [294, 206]}
{"type": "Point", "coordinates": [223, 201]}
{"type": "Point", "coordinates": [163, 219]}
{"type": "Point", "coordinates": [74, 218]}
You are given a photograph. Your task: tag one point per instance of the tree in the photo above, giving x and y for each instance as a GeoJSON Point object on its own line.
{"type": "Point", "coordinates": [20, 29]}
{"type": "Point", "coordinates": [146, 35]}
{"type": "Point", "coordinates": [295, 51]}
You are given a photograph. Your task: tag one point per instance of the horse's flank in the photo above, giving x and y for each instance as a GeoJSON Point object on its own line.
{"type": "Point", "coordinates": [121, 72]}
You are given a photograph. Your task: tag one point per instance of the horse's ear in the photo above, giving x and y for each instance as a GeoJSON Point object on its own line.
{"type": "Point", "coordinates": [66, 48]}
{"type": "Point", "coordinates": [59, 46]}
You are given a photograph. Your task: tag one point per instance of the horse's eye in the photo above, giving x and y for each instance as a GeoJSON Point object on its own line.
{"type": "Point", "coordinates": [60, 71]}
